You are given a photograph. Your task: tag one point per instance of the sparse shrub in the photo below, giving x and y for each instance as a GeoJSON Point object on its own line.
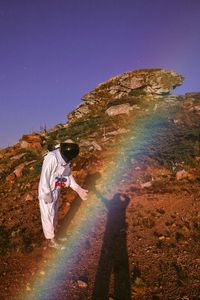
{"type": "Point", "coordinates": [4, 160]}
{"type": "Point", "coordinates": [29, 155]}
{"type": "Point", "coordinates": [37, 168]}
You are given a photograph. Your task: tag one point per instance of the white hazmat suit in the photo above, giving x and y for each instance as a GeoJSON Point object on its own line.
{"type": "Point", "coordinates": [55, 173]}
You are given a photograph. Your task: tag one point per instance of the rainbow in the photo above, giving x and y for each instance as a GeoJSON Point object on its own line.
{"type": "Point", "coordinates": [141, 133]}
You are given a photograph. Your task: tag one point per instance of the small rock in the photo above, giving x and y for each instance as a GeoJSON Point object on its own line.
{"type": "Point", "coordinates": [16, 157]}
{"type": "Point", "coordinates": [146, 185]}
{"type": "Point", "coordinates": [197, 108]}
{"type": "Point", "coordinates": [119, 109]}
{"type": "Point", "coordinates": [176, 121]}
{"type": "Point", "coordinates": [96, 146]}
{"type": "Point", "coordinates": [28, 288]}
{"type": "Point", "coordinates": [118, 131]}
{"type": "Point", "coordinates": [181, 175]}
{"type": "Point", "coordinates": [28, 197]}
{"type": "Point", "coordinates": [19, 169]}
{"type": "Point", "coordinates": [11, 177]}
{"type": "Point", "coordinates": [185, 175]}
{"type": "Point", "coordinates": [42, 273]}
{"type": "Point", "coordinates": [139, 282]}
{"type": "Point", "coordinates": [82, 284]}
{"type": "Point", "coordinates": [137, 168]}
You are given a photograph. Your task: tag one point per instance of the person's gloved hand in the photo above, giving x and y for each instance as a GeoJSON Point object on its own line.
{"type": "Point", "coordinates": [82, 193]}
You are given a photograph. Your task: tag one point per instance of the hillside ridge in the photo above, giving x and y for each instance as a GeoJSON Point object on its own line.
{"type": "Point", "coordinates": [137, 139]}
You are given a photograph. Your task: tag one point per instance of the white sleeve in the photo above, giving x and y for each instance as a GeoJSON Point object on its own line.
{"type": "Point", "coordinates": [48, 167]}
{"type": "Point", "coordinates": [73, 184]}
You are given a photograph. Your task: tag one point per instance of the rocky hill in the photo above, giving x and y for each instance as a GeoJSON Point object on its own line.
{"type": "Point", "coordinates": [139, 144]}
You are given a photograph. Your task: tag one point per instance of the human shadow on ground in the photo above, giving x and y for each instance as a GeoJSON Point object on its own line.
{"type": "Point", "coordinates": [113, 266]}
{"type": "Point", "coordinates": [113, 262]}
{"type": "Point", "coordinates": [89, 183]}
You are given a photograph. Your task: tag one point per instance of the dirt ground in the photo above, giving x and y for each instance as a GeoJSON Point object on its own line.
{"type": "Point", "coordinates": [144, 245]}
{"type": "Point", "coordinates": [141, 233]}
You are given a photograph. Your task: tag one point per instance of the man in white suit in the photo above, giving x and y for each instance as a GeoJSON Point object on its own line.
{"type": "Point", "coordinates": [56, 173]}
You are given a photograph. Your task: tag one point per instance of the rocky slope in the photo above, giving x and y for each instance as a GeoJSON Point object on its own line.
{"type": "Point", "coordinates": [149, 139]}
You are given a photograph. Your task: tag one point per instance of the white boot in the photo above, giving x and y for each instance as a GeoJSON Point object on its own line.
{"type": "Point", "coordinates": [55, 245]}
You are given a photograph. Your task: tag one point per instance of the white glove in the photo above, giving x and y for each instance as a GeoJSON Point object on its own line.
{"type": "Point", "coordinates": [82, 193]}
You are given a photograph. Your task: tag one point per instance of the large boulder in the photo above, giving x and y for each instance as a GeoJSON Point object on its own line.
{"type": "Point", "coordinates": [139, 85]}
{"type": "Point", "coordinates": [145, 81]}
{"type": "Point", "coordinates": [119, 109]}
{"type": "Point", "coordinates": [79, 112]}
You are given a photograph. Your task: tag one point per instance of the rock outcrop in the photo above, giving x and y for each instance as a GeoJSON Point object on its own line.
{"type": "Point", "coordinates": [130, 86]}
{"type": "Point", "coordinates": [31, 141]}
{"type": "Point", "coordinates": [151, 81]}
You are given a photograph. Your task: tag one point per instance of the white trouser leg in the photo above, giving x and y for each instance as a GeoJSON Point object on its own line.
{"type": "Point", "coordinates": [49, 215]}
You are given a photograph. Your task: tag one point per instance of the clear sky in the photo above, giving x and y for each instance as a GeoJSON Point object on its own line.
{"type": "Point", "coordinates": [52, 52]}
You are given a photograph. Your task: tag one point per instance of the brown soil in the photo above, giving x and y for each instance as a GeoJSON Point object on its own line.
{"type": "Point", "coordinates": [143, 241]}
{"type": "Point", "coordinates": [144, 245]}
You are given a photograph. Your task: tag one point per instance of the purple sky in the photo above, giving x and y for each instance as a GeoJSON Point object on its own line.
{"type": "Point", "coordinates": [54, 51]}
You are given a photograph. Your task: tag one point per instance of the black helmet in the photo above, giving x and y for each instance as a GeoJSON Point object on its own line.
{"type": "Point", "coordinates": [69, 151]}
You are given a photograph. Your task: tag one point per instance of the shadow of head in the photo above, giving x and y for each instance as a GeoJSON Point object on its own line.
{"type": "Point", "coordinates": [118, 199]}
